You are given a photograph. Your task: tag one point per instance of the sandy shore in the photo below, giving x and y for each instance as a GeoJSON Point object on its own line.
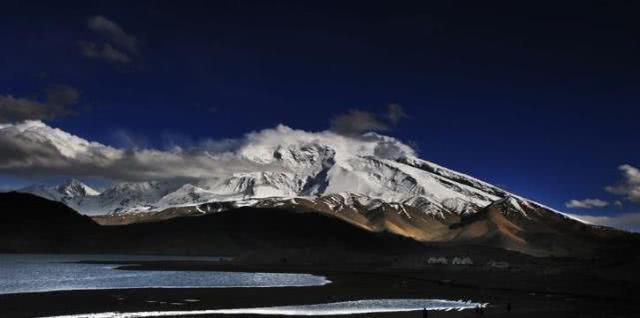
{"type": "Point", "coordinates": [531, 295]}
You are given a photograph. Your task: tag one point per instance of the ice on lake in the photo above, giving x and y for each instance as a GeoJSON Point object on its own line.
{"type": "Point", "coordinates": [366, 306]}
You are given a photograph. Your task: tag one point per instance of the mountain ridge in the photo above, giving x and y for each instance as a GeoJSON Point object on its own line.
{"type": "Point", "coordinates": [33, 224]}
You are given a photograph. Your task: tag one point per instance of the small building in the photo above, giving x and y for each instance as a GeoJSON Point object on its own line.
{"type": "Point", "coordinates": [437, 260]}
{"type": "Point", "coordinates": [462, 261]}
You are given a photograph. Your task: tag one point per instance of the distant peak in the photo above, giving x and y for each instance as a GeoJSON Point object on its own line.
{"type": "Point", "coordinates": [76, 188]}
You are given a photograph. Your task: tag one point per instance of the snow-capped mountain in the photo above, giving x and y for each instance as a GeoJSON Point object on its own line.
{"type": "Point", "coordinates": [270, 165]}
{"type": "Point", "coordinates": [372, 181]}
{"type": "Point", "coordinates": [332, 171]}
{"type": "Point", "coordinates": [120, 198]}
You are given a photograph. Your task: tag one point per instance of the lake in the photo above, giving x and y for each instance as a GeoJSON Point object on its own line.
{"type": "Point", "coordinates": [24, 273]}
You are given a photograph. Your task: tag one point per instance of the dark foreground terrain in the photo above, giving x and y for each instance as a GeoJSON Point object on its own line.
{"type": "Point", "coordinates": [361, 264]}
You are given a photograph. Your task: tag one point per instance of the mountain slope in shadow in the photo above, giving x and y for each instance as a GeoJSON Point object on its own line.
{"type": "Point", "coordinates": [32, 224]}
{"type": "Point", "coordinates": [29, 223]}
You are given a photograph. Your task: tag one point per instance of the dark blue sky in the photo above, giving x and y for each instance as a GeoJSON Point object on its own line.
{"type": "Point", "coordinates": [540, 98]}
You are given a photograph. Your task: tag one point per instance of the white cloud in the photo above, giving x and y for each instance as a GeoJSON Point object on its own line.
{"type": "Point", "coordinates": [629, 186]}
{"type": "Point", "coordinates": [586, 204]}
{"type": "Point", "coordinates": [628, 221]}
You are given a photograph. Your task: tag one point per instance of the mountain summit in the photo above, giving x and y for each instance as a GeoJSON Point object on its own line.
{"type": "Point", "coordinates": [74, 188]}
{"type": "Point", "coordinates": [284, 163]}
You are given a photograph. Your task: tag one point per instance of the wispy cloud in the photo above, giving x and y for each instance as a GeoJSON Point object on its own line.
{"type": "Point", "coordinates": [58, 102]}
{"type": "Point", "coordinates": [355, 122]}
{"type": "Point", "coordinates": [396, 113]}
{"type": "Point", "coordinates": [119, 46]}
{"type": "Point", "coordinates": [628, 187]}
{"type": "Point", "coordinates": [113, 32]}
{"type": "Point", "coordinates": [586, 204]}
{"type": "Point", "coordinates": [106, 52]}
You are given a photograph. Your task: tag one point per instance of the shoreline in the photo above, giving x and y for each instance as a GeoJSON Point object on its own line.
{"type": "Point", "coordinates": [529, 294]}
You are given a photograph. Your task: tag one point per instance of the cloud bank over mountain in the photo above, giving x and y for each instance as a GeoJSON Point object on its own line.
{"type": "Point", "coordinates": [32, 148]}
